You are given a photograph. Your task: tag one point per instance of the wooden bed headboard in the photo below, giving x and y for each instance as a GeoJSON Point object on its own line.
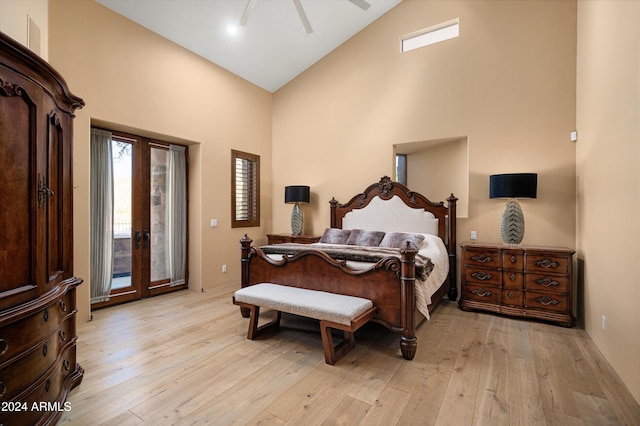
{"type": "Point", "coordinates": [391, 207]}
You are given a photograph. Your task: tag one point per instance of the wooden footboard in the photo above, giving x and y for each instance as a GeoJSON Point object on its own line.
{"type": "Point", "coordinates": [389, 283]}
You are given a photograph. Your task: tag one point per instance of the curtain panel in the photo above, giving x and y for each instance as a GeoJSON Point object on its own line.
{"type": "Point", "coordinates": [101, 222]}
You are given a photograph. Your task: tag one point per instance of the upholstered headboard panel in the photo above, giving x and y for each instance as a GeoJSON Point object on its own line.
{"type": "Point", "coordinates": [392, 207]}
{"type": "Point", "coordinates": [391, 215]}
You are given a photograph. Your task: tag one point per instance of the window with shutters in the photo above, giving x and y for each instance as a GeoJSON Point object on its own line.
{"type": "Point", "coordinates": [245, 189]}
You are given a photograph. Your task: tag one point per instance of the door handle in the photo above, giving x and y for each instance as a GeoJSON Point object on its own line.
{"type": "Point", "coordinates": [138, 238]}
{"type": "Point", "coordinates": [147, 237]}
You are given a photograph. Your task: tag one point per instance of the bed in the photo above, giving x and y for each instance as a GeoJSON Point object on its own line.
{"type": "Point", "coordinates": [405, 278]}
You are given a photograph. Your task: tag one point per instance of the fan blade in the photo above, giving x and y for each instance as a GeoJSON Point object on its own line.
{"type": "Point", "coordinates": [303, 16]}
{"type": "Point", "coordinates": [362, 4]}
{"type": "Point", "coordinates": [247, 12]}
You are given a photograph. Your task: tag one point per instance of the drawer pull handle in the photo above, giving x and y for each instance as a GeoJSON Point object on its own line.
{"type": "Point", "coordinates": [547, 282]}
{"type": "Point", "coordinates": [547, 263]}
{"type": "Point", "coordinates": [66, 364]}
{"type": "Point", "coordinates": [481, 258]}
{"type": "Point", "coordinates": [482, 292]}
{"type": "Point", "coordinates": [4, 346]}
{"type": "Point", "coordinates": [512, 295]}
{"type": "Point", "coordinates": [46, 315]}
{"type": "Point", "coordinates": [63, 306]}
{"type": "Point", "coordinates": [63, 336]}
{"type": "Point", "coordinates": [3, 389]}
{"type": "Point", "coordinates": [482, 276]}
{"type": "Point", "coordinates": [513, 277]}
{"type": "Point", "coordinates": [513, 259]}
{"type": "Point", "coordinates": [45, 349]}
{"type": "Point", "coordinates": [546, 300]}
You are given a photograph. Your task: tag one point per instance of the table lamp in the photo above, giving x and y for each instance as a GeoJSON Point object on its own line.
{"type": "Point", "coordinates": [513, 186]}
{"type": "Point", "coordinates": [296, 194]}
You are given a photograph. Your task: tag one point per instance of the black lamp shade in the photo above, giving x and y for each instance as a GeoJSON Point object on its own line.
{"type": "Point", "coordinates": [513, 185]}
{"type": "Point", "coordinates": [296, 194]}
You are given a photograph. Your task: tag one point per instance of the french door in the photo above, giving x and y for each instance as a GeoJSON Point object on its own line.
{"type": "Point", "coordinates": [143, 233]}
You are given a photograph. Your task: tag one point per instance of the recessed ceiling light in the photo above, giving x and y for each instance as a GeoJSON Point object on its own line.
{"type": "Point", "coordinates": [231, 29]}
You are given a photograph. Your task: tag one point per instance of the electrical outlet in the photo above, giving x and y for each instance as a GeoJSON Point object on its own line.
{"type": "Point", "coordinates": [474, 235]}
{"type": "Point", "coordinates": [224, 268]}
{"type": "Point", "coordinates": [604, 323]}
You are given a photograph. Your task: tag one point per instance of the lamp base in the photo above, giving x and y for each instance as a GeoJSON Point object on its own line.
{"type": "Point", "coordinates": [296, 220]}
{"type": "Point", "coordinates": [512, 223]}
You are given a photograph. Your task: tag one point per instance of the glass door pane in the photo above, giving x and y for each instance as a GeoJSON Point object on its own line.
{"type": "Point", "coordinates": [122, 213]}
{"type": "Point", "coordinates": [158, 209]}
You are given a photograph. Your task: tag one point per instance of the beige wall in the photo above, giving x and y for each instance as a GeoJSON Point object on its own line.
{"type": "Point", "coordinates": [608, 160]}
{"type": "Point", "coordinates": [507, 84]}
{"type": "Point", "coordinates": [138, 81]}
{"type": "Point", "coordinates": [14, 17]}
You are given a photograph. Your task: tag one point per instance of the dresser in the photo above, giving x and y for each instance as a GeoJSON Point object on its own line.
{"type": "Point", "coordinates": [288, 238]}
{"type": "Point", "coordinates": [523, 281]}
{"type": "Point", "coordinates": [37, 287]}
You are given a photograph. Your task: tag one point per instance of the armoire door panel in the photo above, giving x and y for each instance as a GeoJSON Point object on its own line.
{"type": "Point", "coordinates": [17, 239]}
{"type": "Point", "coordinates": [55, 203]}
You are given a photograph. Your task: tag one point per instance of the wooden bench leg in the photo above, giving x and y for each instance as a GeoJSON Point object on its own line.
{"type": "Point", "coordinates": [333, 354]}
{"type": "Point", "coordinates": [254, 314]}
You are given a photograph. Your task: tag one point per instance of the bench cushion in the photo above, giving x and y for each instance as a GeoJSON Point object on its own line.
{"type": "Point", "coordinates": [337, 308]}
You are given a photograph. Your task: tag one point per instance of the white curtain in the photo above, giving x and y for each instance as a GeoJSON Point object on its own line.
{"type": "Point", "coordinates": [176, 238]}
{"type": "Point", "coordinates": [101, 215]}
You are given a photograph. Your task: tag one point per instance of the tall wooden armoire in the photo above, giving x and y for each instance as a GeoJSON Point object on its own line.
{"type": "Point", "coordinates": [37, 287]}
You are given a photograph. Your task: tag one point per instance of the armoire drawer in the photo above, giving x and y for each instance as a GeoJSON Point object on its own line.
{"type": "Point", "coordinates": [19, 336]}
{"type": "Point", "coordinates": [47, 390]}
{"type": "Point", "coordinates": [17, 375]}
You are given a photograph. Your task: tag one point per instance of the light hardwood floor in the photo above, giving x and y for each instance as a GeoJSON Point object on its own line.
{"type": "Point", "coordinates": [183, 358]}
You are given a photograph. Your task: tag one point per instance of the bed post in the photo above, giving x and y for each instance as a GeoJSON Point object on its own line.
{"type": "Point", "coordinates": [452, 248]}
{"type": "Point", "coordinates": [334, 219]}
{"type": "Point", "coordinates": [408, 340]}
{"type": "Point", "coordinates": [245, 243]}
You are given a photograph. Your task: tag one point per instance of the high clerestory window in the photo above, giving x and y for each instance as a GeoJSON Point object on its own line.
{"type": "Point", "coordinates": [431, 35]}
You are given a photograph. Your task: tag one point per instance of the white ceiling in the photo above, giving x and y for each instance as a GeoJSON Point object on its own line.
{"type": "Point", "coordinates": [271, 49]}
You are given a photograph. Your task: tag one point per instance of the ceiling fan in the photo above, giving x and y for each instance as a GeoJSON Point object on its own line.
{"type": "Point", "coordinates": [362, 4]}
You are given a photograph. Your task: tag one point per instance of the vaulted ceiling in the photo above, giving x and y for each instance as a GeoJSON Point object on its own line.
{"type": "Point", "coordinates": [278, 39]}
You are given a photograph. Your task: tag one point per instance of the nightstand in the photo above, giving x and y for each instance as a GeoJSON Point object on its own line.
{"type": "Point", "coordinates": [288, 238]}
{"type": "Point", "coordinates": [524, 281]}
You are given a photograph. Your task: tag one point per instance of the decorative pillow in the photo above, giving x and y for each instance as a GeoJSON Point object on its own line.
{"type": "Point", "coordinates": [399, 239]}
{"type": "Point", "coordinates": [360, 237]}
{"type": "Point", "coordinates": [335, 236]}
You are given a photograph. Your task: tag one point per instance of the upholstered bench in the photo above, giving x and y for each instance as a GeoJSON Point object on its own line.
{"type": "Point", "coordinates": [338, 311]}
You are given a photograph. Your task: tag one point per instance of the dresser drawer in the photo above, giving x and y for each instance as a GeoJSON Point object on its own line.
{"type": "Point", "coordinates": [512, 297]}
{"type": "Point", "coordinates": [482, 293]}
{"type": "Point", "coordinates": [512, 280]}
{"type": "Point", "coordinates": [16, 376]}
{"type": "Point", "coordinates": [546, 301]}
{"type": "Point", "coordinates": [19, 336]}
{"type": "Point", "coordinates": [547, 283]}
{"type": "Point", "coordinates": [513, 260]}
{"type": "Point", "coordinates": [482, 257]}
{"type": "Point", "coordinates": [547, 263]}
{"type": "Point", "coordinates": [483, 276]}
